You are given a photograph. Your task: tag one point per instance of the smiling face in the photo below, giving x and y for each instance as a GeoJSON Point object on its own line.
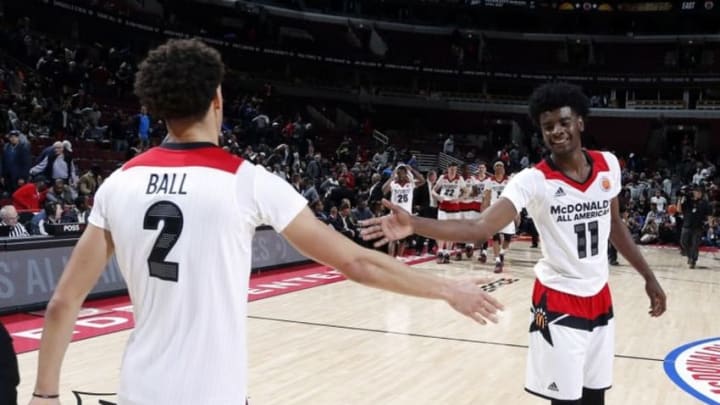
{"type": "Point", "coordinates": [562, 131]}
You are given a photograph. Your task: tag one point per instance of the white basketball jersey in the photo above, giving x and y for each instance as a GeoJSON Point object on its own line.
{"type": "Point", "coordinates": [450, 188]}
{"type": "Point", "coordinates": [402, 194]}
{"type": "Point", "coordinates": [182, 217]}
{"type": "Point", "coordinates": [479, 185]}
{"type": "Point", "coordinates": [573, 220]}
{"type": "Point", "coordinates": [496, 187]}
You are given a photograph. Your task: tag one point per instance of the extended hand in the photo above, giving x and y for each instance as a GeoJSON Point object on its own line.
{"type": "Point", "coordinates": [657, 297]}
{"type": "Point", "coordinates": [466, 297]}
{"type": "Point", "coordinates": [396, 225]}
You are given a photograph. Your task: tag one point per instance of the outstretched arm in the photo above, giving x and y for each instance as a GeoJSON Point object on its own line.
{"type": "Point", "coordinates": [85, 266]}
{"type": "Point", "coordinates": [378, 270]}
{"type": "Point", "coordinates": [400, 224]}
{"type": "Point", "coordinates": [623, 242]}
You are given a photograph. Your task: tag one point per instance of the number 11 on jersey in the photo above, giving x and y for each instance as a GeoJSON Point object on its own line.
{"type": "Point", "coordinates": [581, 231]}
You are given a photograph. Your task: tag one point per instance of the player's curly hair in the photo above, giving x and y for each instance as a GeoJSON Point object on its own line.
{"type": "Point", "coordinates": [178, 79]}
{"type": "Point", "coordinates": [551, 96]}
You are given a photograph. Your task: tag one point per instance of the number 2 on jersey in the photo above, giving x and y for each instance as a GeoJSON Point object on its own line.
{"type": "Point", "coordinates": [172, 218]}
{"type": "Point", "coordinates": [581, 232]}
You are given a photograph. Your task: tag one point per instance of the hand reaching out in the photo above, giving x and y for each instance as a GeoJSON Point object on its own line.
{"type": "Point", "coordinates": [394, 226]}
{"type": "Point", "coordinates": [466, 297]}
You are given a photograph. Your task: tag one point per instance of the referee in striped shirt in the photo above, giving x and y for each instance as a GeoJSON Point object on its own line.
{"type": "Point", "coordinates": [9, 217]}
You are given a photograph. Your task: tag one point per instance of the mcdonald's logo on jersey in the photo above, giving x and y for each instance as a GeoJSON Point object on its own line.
{"type": "Point", "coordinates": [605, 183]}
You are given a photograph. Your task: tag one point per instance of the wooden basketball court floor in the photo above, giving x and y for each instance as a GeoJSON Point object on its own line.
{"type": "Point", "coordinates": [344, 344]}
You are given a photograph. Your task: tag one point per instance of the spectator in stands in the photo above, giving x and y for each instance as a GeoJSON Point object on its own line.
{"type": "Point", "coordinates": [51, 214]}
{"type": "Point", "coordinates": [344, 223]}
{"type": "Point", "coordinates": [313, 169]}
{"type": "Point", "coordinates": [659, 200]}
{"type": "Point", "coordinates": [13, 117]}
{"type": "Point", "coordinates": [449, 145]}
{"type": "Point", "coordinates": [309, 191]}
{"type": "Point", "coordinates": [90, 181]}
{"type": "Point", "coordinates": [317, 208]}
{"type": "Point", "coordinates": [61, 193]}
{"type": "Point", "coordinates": [15, 161]}
{"type": "Point", "coordinates": [58, 164]}
{"type": "Point", "coordinates": [668, 230]}
{"type": "Point", "coordinates": [376, 193]}
{"type": "Point", "coordinates": [81, 209]}
{"type": "Point", "coordinates": [117, 134]}
{"type": "Point", "coordinates": [650, 232]}
{"type": "Point", "coordinates": [9, 217]}
{"type": "Point", "coordinates": [712, 236]}
{"type": "Point", "coordinates": [31, 196]}
{"type": "Point", "coordinates": [143, 128]}
{"type": "Point", "coordinates": [339, 193]}
{"type": "Point", "coordinates": [361, 212]}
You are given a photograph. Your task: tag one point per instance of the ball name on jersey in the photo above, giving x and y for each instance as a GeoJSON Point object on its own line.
{"type": "Point", "coordinates": [166, 183]}
{"type": "Point", "coordinates": [580, 211]}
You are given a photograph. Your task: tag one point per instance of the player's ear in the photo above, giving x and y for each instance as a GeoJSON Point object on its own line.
{"type": "Point", "coordinates": [217, 100]}
{"type": "Point", "coordinates": [581, 124]}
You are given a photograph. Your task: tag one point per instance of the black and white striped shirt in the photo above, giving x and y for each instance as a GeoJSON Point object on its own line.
{"type": "Point", "coordinates": [17, 231]}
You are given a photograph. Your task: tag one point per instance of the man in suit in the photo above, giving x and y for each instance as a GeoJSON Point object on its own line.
{"type": "Point", "coordinates": [344, 222]}
{"type": "Point", "coordinates": [426, 205]}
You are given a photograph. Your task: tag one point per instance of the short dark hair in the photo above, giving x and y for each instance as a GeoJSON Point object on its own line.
{"type": "Point", "coordinates": [178, 79]}
{"type": "Point", "coordinates": [551, 96]}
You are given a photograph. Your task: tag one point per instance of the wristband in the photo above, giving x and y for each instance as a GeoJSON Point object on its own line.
{"type": "Point", "coordinates": [45, 396]}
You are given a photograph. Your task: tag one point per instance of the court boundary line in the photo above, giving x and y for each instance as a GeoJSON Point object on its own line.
{"type": "Point", "coordinates": [425, 336]}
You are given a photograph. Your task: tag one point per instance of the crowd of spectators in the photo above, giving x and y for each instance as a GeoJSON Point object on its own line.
{"type": "Point", "coordinates": [54, 90]}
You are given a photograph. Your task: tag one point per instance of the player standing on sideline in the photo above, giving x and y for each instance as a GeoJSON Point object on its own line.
{"type": "Point", "coordinates": [494, 187]}
{"type": "Point", "coordinates": [400, 185]}
{"type": "Point", "coordinates": [481, 180]}
{"type": "Point", "coordinates": [471, 203]}
{"type": "Point", "coordinates": [185, 249]}
{"type": "Point", "coordinates": [448, 190]}
{"type": "Point", "coordinates": [572, 196]}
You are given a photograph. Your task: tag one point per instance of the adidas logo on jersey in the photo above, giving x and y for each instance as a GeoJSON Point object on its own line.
{"type": "Point", "coordinates": [560, 192]}
{"type": "Point", "coordinates": [553, 387]}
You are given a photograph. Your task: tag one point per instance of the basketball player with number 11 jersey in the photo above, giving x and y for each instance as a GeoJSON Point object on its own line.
{"type": "Point", "coordinates": [572, 197]}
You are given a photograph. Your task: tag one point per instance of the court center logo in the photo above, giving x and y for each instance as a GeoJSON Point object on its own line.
{"type": "Point", "coordinates": [695, 367]}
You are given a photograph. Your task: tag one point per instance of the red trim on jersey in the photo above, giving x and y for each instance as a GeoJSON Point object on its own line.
{"type": "Point", "coordinates": [210, 156]}
{"type": "Point", "coordinates": [449, 206]}
{"type": "Point", "coordinates": [466, 206]}
{"type": "Point", "coordinates": [582, 307]}
{"type": "Point", "coordinates": [493, 178]}
{"type": "Point", "coordinates": [598, 164]}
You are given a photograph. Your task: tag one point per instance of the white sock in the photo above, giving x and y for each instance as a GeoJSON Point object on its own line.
{"type": "Point", "coordinates": [470, 245]}
{"type": "Point", "coordinates": [497, 259]}
{"type": "Point", "coordinates": [502, 251]}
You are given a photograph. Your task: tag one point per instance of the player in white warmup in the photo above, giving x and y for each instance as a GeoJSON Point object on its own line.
{"type": "Point", "coordinates": [494, 187]}
{"type": "Point", "coordinates": [401, 185]}
{"type": "Point", "coordinates": [449, 190]}
{"type": "Point", "coordinates": [572, 196]}
{"type": "Point", "coordinates": [180, 218]}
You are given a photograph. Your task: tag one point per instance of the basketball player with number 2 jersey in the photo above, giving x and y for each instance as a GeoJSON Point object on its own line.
{"type": "Point", "coordinates": [180, 219]}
